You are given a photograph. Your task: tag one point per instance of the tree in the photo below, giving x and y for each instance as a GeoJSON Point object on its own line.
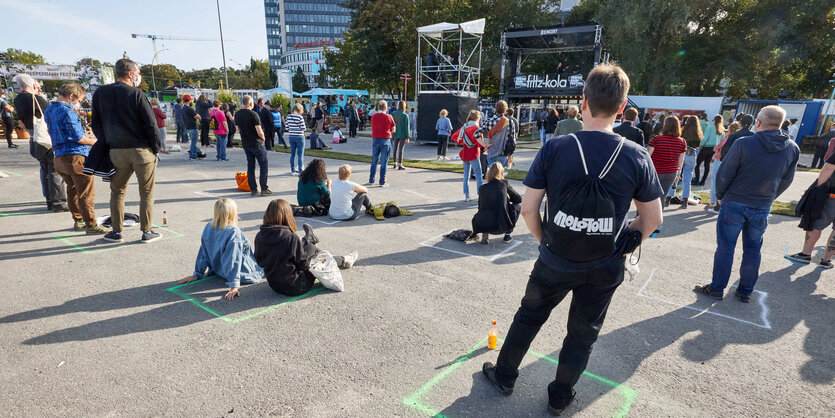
{"type": "Point", "coordinates": [21, 56]}
{"type": "Point", "coordinates": [163, 74]}
{"type": "Point", "coordinates": [300, 81]}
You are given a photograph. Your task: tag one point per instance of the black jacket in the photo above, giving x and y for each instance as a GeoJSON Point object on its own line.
{"type": "Point", "coordinates": [726, 148]}
{"type": "Point", "coordinates": [281, 253]}
{"type": "Point", "coordinates": [646, 128]}
{"type": "Point", "coordinates": [498, 208]}
{"type": "Point", "coordinates": [267, 122]}
{"type": "Point", "coordinates": [810, 207]}
{"type": "Point", "coordinates": [123, 117]}
{"type": "Point", "coordinates": [631, 133]}
{"type": "Point", "coordinates": [551, 124]}
{"type": "Point", "coordinates": [25, 108]}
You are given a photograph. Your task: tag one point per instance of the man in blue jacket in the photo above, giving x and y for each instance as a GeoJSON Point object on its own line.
{"type": "Point", "coordinates": [755, 170]}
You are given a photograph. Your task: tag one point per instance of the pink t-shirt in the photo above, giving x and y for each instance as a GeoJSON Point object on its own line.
{"type": "Point", "coordinates": [220, 117]}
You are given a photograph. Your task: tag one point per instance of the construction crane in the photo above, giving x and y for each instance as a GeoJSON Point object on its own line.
{"type": "Point", "coordinates": [154, 38]}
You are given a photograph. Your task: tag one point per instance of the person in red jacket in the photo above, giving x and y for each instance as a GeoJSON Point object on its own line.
{"type": "Point", "coordinates": [471, 145]}
{"type": "Point", "coordinates": [159, 115]}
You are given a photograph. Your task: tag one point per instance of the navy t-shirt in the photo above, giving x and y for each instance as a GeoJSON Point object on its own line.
{"type": "Point", "coordinates": [557, 167]}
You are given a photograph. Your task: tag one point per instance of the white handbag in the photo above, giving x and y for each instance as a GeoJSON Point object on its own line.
{"type": "Point", "coordinates": [40, 133]}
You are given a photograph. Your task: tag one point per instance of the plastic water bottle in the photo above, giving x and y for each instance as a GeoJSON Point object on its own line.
{"type": "Point", "coordinates": [164, 218]}
{"type": "Point", "coordinates": [492, 337]}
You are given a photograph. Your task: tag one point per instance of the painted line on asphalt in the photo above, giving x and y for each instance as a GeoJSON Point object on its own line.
{"type": "Point", "coordinates": [112, 246]}
{"type": "Point", "coordinates": [415, 400]}
{"type": "Point", "coordinates": [491, 259]}
{"type": "Point", "coordinates": [760, 300]}
{"type": "Point", "coordinates": [316, 220]}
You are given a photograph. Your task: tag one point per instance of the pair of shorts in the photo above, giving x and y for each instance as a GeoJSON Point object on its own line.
{"type": "Point", "coordinates": [827, 216]}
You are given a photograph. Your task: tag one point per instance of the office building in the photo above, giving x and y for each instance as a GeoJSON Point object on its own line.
{"type": "Point", "coordinates": [298, 31]}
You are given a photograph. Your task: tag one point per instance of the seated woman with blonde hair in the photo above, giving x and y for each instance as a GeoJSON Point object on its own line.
{"type": "Point", "coordinates": [225, 251]}
{"type": "Point", "coordinates": [498, 206]}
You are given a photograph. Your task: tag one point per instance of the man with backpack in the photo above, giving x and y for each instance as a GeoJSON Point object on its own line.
{"type": "Point", "coordinates": [590, 177]}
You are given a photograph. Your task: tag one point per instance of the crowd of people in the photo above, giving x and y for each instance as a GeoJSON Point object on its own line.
{"type": "Point", "coordinates": [591, 170]}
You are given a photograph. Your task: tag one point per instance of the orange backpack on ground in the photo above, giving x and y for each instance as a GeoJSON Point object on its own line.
{"type": "Point", "coordinates": [243, 181]}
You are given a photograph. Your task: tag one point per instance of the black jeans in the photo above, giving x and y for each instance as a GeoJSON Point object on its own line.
{"type": "Point", "coordinates": [817, 160]}
{"type": "Point", "coordinates": [705, 156]}
{"type": "Point", "coordinates": [443, 141]}
{"type": "Point", "coordinates": [398, 144]}
{"type": "Point", "coordinates": [592, 291]}
{"type": "Point", "coordinates": [204, 133]}
{"type": "Point", "coordinates": [352, 128]}
{"type": "Point", "coordinates": [259, 154]}
{"type": "Point", "coordinates": [8, 129]}
{"type": "Point", "coordinates": [52, 184]}
{"type": "Point", "coordinates": [231, 134]}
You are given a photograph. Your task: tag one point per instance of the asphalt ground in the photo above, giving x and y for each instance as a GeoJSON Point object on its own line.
{"type": "Point", "coordinates": [97, 329]}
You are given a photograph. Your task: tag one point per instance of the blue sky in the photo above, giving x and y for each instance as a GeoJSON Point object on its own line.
{"type": "Point", "coordinates": [65, 30]}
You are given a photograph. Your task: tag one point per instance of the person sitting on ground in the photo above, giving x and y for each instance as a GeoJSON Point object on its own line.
{"type": "Point", "coordinates": [225, 251]}
{"type": "Point", "coordinates": [284, 256]}
{"type": "Point", "coordinates": [315, 141]}
{"type": "Point", "coordinates": [345, 206]}
{"type": "Point", "coordinates": [498, 206]}
{"type": "Point", "coordinates": [314, 190]}
{"type": "Point", "coordinates": [338, 138]}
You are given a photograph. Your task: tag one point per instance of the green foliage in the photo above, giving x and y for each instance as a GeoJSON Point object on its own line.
{"type": "Point", "coordinates": [300, 84]}
{"type": "Point", "coordinates": [21, 56]}
{"type": "Point", "coordinates": [279, 100]}
{"type": "Point", "coordinates": [687, 47]}
{"type": "Point", "coordinates": [225, 96]}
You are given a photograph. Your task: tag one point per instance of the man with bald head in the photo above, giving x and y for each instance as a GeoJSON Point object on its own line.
{"type": "Point", "coordinates": [756, 169]}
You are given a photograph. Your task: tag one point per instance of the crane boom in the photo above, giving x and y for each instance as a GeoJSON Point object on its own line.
{"type": "Point", "coordinates": [171, 38]}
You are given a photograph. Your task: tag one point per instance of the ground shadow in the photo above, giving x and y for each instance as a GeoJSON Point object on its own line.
{"type": "Point", "coordinates": [630, 346]}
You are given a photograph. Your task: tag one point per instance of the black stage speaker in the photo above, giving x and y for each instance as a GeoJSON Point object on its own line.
{"type": "Point", "coordinates": [429, 109]}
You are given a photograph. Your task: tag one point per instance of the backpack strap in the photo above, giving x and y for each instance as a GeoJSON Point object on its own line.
{"type": "Point", "coordinates": [582, 157]}
{"type": "Point", "coordinates": [612, 159]}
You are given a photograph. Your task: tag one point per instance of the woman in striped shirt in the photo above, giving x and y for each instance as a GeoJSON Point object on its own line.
{"type": "Point", "coordinates": [667, 152]}
{"type": "Point", "coordinates": [295, 128]}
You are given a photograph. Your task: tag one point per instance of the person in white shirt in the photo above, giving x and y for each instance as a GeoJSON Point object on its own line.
{"type": "Point", "coordinates": [793, 129]}
{"type": "Point", "coordinates": [345, 206]}
{"type": "Point", "coordinates": [338, 138]}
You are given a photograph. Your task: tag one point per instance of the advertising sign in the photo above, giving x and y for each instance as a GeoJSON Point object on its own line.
{"type": "Point", "coordinates": [85, 75]}
{"type": "Point", "coordinates": [547, 84]}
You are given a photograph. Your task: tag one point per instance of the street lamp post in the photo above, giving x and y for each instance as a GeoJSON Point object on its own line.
{"type": "Point", "coordinates": [222, 49]}
{"type": "Point", "coordinates": [405, 77]}
{"type": "Point", "coordinates": [153, 60]}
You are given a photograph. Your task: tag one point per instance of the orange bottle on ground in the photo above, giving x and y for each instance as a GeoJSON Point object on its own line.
{"type": "Point", "coordinates": [492, 337]}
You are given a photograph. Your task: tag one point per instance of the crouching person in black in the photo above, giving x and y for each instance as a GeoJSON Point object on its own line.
{"type": "Point", "coordinates": [498, 206]}
{"type": "Point", "coordinates": [590, 177]}
{"type": "Point", "coordinates": [284, 256]}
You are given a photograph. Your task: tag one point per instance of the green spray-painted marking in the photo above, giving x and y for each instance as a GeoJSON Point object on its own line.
{"type": "Point", "coordinates": [176, 290]}
{"type": "Point", "coordinates": [11, 174]}
{"type": "Point", "coordinates": [66, 240]}
{"type": "Point", "coordinates": [414, 400]}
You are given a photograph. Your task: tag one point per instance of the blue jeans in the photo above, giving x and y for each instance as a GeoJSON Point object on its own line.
{"type": "Point", "coordinates": [296, 152]}
{"type": "Point", "coordinates": [221, 146]}
{"type": "Point", "coordinates": [713, 170]}
{"type": "Point", "coordinates": [192, 151]}
{"type": "Point", "coordinates": [254, 154]}
{"type": "Point", "coordinates": [686, 177]}
{"type": "Point", "coordinates": [181, 132]}
{"type": "Point", "coordinates": [751, 221]}
{"type": "Point", "coordinates": [473, 166]}
{"type": "Point", "coordinates": [380, 151]}
{"type": "Point", "coordinates": [500, 158]}
{"type": "Point", "coordinates": [542, 135]}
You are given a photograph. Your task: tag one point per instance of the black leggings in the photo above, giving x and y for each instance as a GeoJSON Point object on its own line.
{"type": "Point", "coordinates": [443, 140]}
{"type": "Point", "coordinates": [705, 155]}
{"type": "Point", "coordinates": [7, 123]}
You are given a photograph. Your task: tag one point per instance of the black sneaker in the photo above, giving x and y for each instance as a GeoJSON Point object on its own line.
{"type": "Point", "coordinates": [825, 264]}
{"type": "Point", "coordinates": [113, 236]}
{"type": "Point", "coordinates": [253, 193]}
{"type": "Point", "coordinates": [799, 258]}
{"type": "Point", "coordinates": [507, 238]}
{"type": "Point", "coordinates": [309, 236]}
{"type": "Point", "coordinates": [742, 298]}
{"type": "Point", "coordinates": [489, 371]}
{"type": "Point", "coordinates": [708, 291]}
{"type": "Point", "coordinates": [557, 411]}
{"type": "Point", "coordinates": [150, 236]}
{"type": "Point", "coordinates": [675, 200]}
{"type": "Point", "coordinates": [266, 192]}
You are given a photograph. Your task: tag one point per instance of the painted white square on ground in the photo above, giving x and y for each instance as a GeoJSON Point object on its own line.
{"type": "Point", "coordinates": [329, 221]}
{"type": "Point", "coordinates": [490, 252]}
{"type": "Point", "coordinates": [676, 288]}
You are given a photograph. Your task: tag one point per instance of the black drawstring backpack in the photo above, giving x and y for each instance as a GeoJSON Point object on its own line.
{"type": "Point", "coordinates": [579, 226]}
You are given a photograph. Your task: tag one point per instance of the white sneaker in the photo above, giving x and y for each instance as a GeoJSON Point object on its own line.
{"type": "Point", "coordinates": [467, 198]}
{"type": "Point", "coordinates": [350, 259]}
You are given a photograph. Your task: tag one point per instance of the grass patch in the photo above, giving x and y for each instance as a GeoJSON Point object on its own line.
{"type": "Point", "coordinates": [777, 208]}
{"type": "Point", "coordinates": [813, 170]}
{"type": "Point", "coordinates": [424, 164]}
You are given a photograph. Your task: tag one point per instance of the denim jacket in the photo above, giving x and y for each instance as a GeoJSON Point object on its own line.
{"type": "Point", "coordinates": [228, 254]}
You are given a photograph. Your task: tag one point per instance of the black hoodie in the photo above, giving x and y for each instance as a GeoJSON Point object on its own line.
{"type": "Point", "coordinates": [757, 168]}
{"type": "Point", "coordinates": [281, 253]}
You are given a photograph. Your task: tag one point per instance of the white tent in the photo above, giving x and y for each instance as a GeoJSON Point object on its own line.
{"type": "Point", "coordinates": [473, 27]}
